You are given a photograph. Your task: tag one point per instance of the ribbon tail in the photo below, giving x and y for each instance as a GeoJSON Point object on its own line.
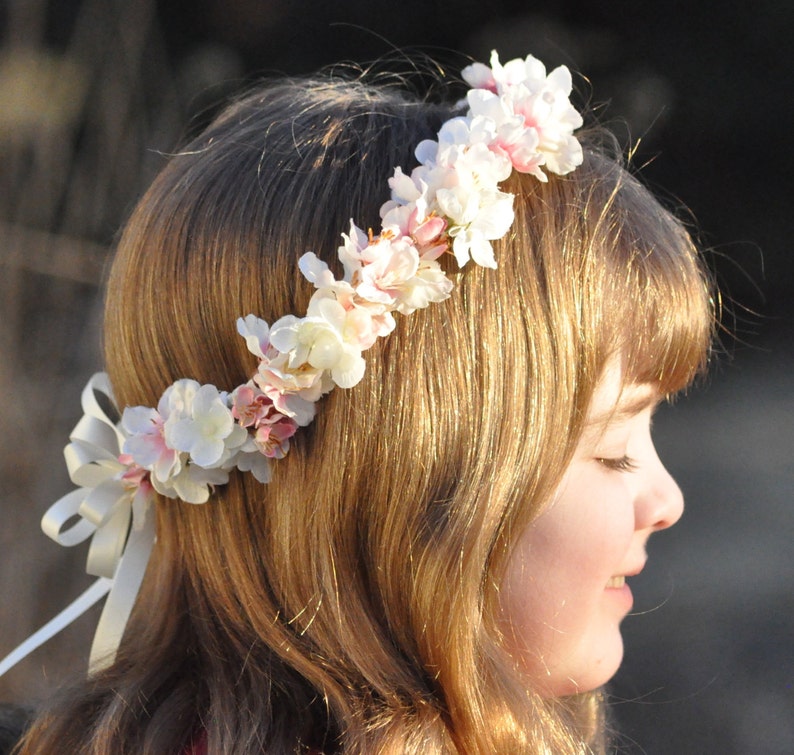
{"type": "Point", "coordinates": [73, 611]}
{"type": "Point", "coordinates": [124, 590]}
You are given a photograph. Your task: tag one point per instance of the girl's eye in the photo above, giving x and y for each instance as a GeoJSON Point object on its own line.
{"type": "Point", "coordinates": [619, 464]}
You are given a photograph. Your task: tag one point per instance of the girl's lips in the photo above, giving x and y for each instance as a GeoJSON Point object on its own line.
{"type": "Point", "coordinates": [617, 589]}
{"type": "Point", "coordinates": [619, 580]}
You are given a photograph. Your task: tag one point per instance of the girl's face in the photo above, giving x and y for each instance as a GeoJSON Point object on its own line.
{"type": "Point", "coordinates": [564, 593]}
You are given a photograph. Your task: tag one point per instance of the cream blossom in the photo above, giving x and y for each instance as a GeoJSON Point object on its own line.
{"type": "Point", "coordinates": [193, 483]}
{"type": "Point", "coordinates": [204, 426]}
{"type": "Point", "coordinates": [328, 339]}
{"type": "Point", "coordinates": [251, 459]}
{"type": "Point", "coordinates": [377, 321]}
{"type": "Point", "coordinates": [256, 333]}
{"type": "Point", "coordinates": [293, 391]}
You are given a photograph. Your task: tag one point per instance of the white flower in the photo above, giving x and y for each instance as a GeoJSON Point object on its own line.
{"type": "Point", "coordinates": [479, 76]}
{"type": "Point", "coordinates": [293, 390]}
{"type": "Point", "coordinates": [462, 148]}
{"type": "Point", "coordinates": [326, 339]}
{"type": "Point", "coordinates": [477, 215]}
{"type": "Point", "coordinates": [256, 333]}
{"type": "Point", "coordinates": [250, 459]}
{"type": "Point", "coordinates": [463, 143]}
{"type": "Point", "coordinates": [459, 176]}
{"type": "Point", "coordinates": [203, 426]}
{"type": "Point", "coordinates": [192, 484]}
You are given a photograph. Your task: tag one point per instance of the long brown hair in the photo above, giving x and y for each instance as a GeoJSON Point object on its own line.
{"type": "Point", "coordinates": [349, 604]}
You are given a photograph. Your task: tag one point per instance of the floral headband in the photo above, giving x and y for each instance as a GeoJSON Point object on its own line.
{"type": "Point", "coordinates": [519, 118]}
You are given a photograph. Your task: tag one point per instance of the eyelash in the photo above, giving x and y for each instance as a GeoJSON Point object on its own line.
{"type": "Point", "coordinates": [620, 464]}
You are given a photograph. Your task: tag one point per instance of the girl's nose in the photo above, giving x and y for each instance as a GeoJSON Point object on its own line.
{"type": "Point", "coordinates": [661, 503]}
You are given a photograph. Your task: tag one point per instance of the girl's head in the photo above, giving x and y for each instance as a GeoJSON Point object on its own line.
{"type": "Point", "coordinates": [407, 573]}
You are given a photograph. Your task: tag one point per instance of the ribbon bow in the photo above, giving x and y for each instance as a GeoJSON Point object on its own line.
{"type": "Point", "coordinates": [110, 507]}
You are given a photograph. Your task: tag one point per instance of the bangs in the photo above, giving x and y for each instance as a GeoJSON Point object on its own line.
{"type": "Point", "coordinates": [595, 267]}
{"type": "Point", "coordinates": [656, 306]}
{"type": "Point", "coordinates": [668, 322]}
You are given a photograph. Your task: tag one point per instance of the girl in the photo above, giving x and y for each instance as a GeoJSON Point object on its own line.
{"type": "Point", "coordinates": [422, 467]}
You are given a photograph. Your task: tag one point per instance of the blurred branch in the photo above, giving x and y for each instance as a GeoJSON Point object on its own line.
{"type": "Point", "coordinates": [50, 254]}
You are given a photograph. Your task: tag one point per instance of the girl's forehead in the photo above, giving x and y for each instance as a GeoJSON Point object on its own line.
{"type": "Point", "coordinates": [615, 400]}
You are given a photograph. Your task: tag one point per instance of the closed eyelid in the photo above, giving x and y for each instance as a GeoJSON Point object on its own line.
{"type": "Point", "coordinates": [619, 464]}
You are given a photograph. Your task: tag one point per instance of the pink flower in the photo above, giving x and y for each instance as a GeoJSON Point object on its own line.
{"type": "Point", "coordinates": [250, 406]}
{"type": "Point", "coordinates": [428, 232]}
{"type": "Point", "coordinates": [386, 261]}
{"type": "Point", "coordinates": [272, 437]}
{"type": "Point", "coordinates": [394, 274]}
{"type": "Point", "coordinates": [532, 115]}
{"type": "Point", "coordinates": [135, 476]}
{"type": "Point", "coordinates": [253, 409]}
{"type": "Point", "coordinates": [146, 444]}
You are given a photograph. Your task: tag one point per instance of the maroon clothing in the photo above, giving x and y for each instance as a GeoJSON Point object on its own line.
{"type": "Point", "coordinates": [198, 746]}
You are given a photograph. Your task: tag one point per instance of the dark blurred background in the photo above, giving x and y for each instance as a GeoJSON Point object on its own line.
{"type": "Point", "coordinates": [93, 93]}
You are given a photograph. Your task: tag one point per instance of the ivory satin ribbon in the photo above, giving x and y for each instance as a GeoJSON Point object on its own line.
{"type": "Point", "coordinates": [112, 512]}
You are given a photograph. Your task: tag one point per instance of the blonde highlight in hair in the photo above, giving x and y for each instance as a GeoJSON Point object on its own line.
{"type": "Point", "coordinates": [349, 605]}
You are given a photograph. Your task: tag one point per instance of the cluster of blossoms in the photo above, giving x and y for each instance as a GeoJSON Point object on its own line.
{"type": "Point", "coordinates": [519, 118]}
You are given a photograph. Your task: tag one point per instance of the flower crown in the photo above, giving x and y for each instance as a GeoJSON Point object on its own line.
{"type": "Point", "coordinates": [518, 118]}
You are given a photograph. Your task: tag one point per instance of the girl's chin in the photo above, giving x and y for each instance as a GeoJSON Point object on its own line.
{"type": "Point", "coordinates": [574, 676]}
